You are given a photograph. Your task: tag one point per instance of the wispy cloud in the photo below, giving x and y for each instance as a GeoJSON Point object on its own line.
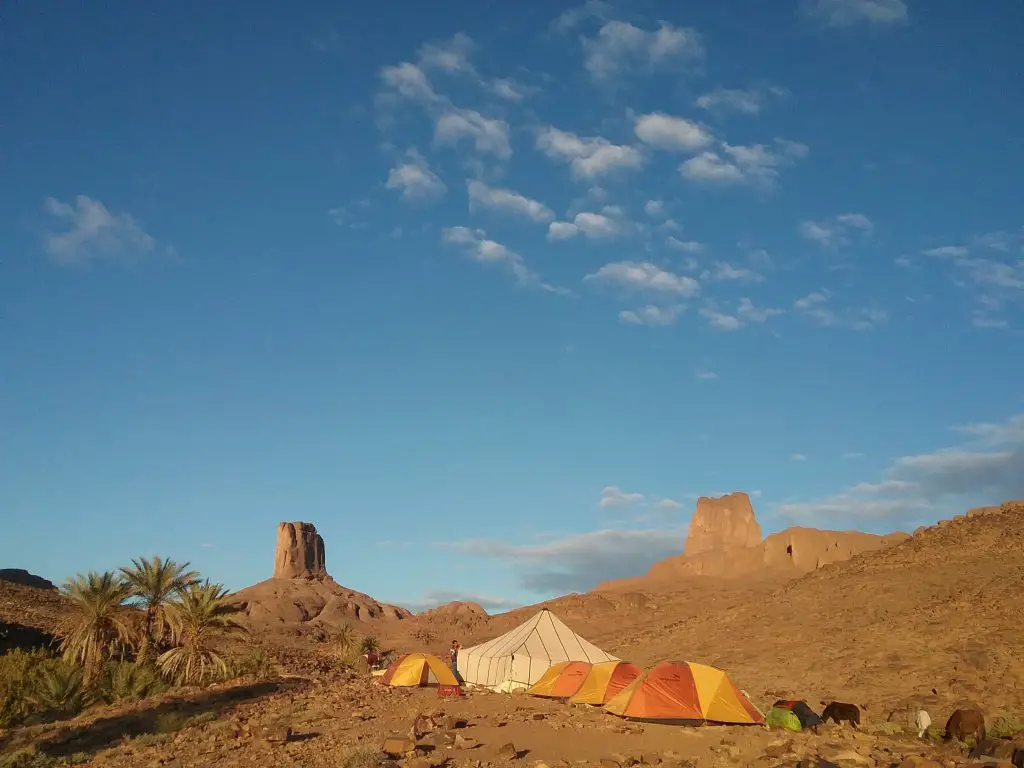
{"type": "Point", "coordinates": [415, 181]}
{"type": "Point", "coordinates": [595, 226]}
{"type": "Point", "coordinates": [588, 157]}
{"type": "Point", "coordinates": [816, 307]}
{"type": "Point", "coordinates": [837, 231]}
{"type": "Point", "coordinates": [844, 13]}
{"type": "Point", "coordinates": [581, 561]}
{"type": "Point", "coordinates": [620, 46]}
{"type": "Point", "coordinates": [483, 196]}
{"type": "Point", "coordinates": [746, 312]}
{"type": "Point", "coordinates": [613, 496]}
{"type": "Point", "coordinates": [87, 231]}
{"type": "Point", "coordinates": [987, 468]}
{"type": "Point", "coordinates": [663, 131]}
{"type": "Point", "coordinates": [756, 165]}
{"type": "Point", "coordinates": [489, 135]}
{"type": "Point", "coordinates": [644, 276]}
{"type": "Point", "coordinates": [480, 248]}
{"type": "Point", "coordinates": [748, 102]}
{"type": "Point", "coordinates": [652, 315]}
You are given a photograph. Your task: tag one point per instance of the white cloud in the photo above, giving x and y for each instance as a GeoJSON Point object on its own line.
{"type": "Point", "coordinates": [988, 470]}
{"type": "Point", "coordinates": [409, 81]}
{"type": "Point", "coordinates": [579, 562]}
{"type": "Point", "coordinates": [724, 272]}
{"type": "Point", "coordinates": [651, 315]}
{"type": "Point", "coordinates": [596, 226]}
{"type": "Point", "coordinates": [655, 208]}
{"type": "Point", "coordinates": [669, 504]}
{"type": "Point", "coordinates": [588, 157]}
{"type": "Point", "coordinates": [450, 55]}
{"type": "Point", "coordinates": [947, 252]}
{"type": "Point", "coordinates": [489, 136]}
{"type": "Point", "coordinates": [90, 232]}
{"type": "Point", "coordinates": [707, 375]}
{"type": "Point", "coordinates": [663, 131]}
{"type": "Point", "coordinates": [506, 200]}
{"type": "Point", "coordinates": [686, 246]}
{"type": "Point", "coordinates": [754, 165]}
{"type": "Point", "coordinates": [613, 496]}
{"type": "Point", "coordinates": [746, 313]}
{"type": "Point", "coordinates": [798, 457]}
{"type": "Point", "coordinates": [572, 18]}
{"type": "Point", "coordinates": [836, 232]}
{"type": "Point", "coordinates": [815, 306]}
{"type": "Point", "coordinates": [644, 276]}
{"type": "Point", "coordinates": [844, 13]}
{"type": "Point", "coordinates": [482, 249]}
{"type": "Point", "coordinates": [747, 102]}
{"type": "Point", "coordinates": [620, 46]}
{"type": "Point", "coordinates": [414, 179]}
{"type": "Point", "coordinates": [508, 89]}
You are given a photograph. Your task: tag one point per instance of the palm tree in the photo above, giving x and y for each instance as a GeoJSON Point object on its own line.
{"type": "Point", "coordinates": [198, 616]}
{"type": "Point", "coordinates": [369, 644]}
{"type": "Point", "coordinates": [345, 637]}
{"type": "Point", "coordinates": [153, 584]}
{"type": "Point", "coordinates": [98, 625]}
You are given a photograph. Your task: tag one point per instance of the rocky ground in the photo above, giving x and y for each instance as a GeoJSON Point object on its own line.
{"type": "Point", "coordinates": [352, 722]}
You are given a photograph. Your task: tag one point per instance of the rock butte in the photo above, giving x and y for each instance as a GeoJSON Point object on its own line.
{"type": "Point", "coordinates": [302, 592]}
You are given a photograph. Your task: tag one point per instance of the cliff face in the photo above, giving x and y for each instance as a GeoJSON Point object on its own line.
{"type": "Point", "coordinates": [726, 522]}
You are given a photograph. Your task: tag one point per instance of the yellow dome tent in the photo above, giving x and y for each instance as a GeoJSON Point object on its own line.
{"type": "Point", "coordinates": [604, 681]}
{"type": "Point", "coordinates": [684, 692]}
{"type": "Point", "coordinates": [418, 669]}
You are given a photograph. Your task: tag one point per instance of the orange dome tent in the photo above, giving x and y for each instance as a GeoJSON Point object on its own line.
{"type": "Point", "coordinates": [684, 692]}
{"type": "Point", "coordinates": [561, 680]}
{"type": "Point", "coordinates": [605, 680]}
{"type": "Point", "coordinates": [418, 669]}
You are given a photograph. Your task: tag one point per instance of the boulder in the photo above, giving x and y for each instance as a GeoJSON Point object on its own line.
{"type": "Point", "coordinates": [726, 522]}
{"type": "Point", "coordinates": [299, 553]}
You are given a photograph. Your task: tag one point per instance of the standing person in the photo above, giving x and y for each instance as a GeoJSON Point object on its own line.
{"type": "Point", "coordinates": [453, 658]}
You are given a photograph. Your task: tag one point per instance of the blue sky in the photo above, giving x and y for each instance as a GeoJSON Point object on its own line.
{"type": "Point", "coordinates": [491, 297]}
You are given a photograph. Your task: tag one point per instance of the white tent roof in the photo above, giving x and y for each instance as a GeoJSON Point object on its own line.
{"type": "Point", "coordinates": [518, 658]}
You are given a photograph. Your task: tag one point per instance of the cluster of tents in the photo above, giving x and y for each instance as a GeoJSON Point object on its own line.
{"type": "Point", "coordinates": [545, 658]}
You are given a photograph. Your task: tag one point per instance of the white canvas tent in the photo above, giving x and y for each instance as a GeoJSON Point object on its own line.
{"type": "Point", "coordinates": [518, 658]}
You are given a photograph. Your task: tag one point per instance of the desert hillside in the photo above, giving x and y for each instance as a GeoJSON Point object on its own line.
{"type": "Point", "coordinates": [943, 610]}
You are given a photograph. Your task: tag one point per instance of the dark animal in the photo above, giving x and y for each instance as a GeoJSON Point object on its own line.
{"type": "Point", "coordinates": [963, 723]}
{"type": "Point", "coordinates": [839, 712]}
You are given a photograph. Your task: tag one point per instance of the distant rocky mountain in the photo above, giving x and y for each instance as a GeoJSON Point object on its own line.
{"type": "Point", "coordinates": [725, 541]}
{"type": "Point", "coordinates": [26, 579]}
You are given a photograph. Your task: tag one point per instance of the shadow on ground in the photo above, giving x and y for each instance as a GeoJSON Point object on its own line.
{"type": "Point", "coordinates": [64, 740]}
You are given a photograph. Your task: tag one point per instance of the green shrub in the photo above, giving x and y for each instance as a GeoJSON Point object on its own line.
{"type": "Point", "coordinates": [1006, 726]}
{"type": "Point", "coordinates": [362, 758]}
{"type": "Point", "coordinates": [59, 691]}
{"type": "Point", "coordinates": [27, 757]}
{"type": "Point", "coordinates": [127, 681]}
{"type": "Point", "coordinates": [21, 673]}
{"type": "Point", "coordinates": [169, 722]}
{"type": "Point", "coordinates": [259, 664]}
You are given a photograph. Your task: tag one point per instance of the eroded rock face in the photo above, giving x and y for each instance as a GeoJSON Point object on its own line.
{"type": "Point", "coordinates": [726, 522]}
{"type": "Point", "coordinates": [299, 553]}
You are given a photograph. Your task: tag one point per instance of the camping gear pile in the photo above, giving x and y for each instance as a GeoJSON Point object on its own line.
{"type": "Point", "coordinates": [793, 716]}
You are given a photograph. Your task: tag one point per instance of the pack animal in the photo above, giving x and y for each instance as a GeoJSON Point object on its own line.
{"type": "Point", "coordinates": [839, 712]}
{"type": "Point", "coordinates": [963, 723]}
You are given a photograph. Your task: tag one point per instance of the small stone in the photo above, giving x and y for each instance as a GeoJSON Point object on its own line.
{"type": "Point", "coordinates": [277, 734]}
{"type": "Point", "coordinates": [461, 742]}
{"type": "Point", "coordinates": [539, 715]}
{"type": "Point", "coordinates": [508, 751]}
{"type": "Point", "coordinates": [396, 746]}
